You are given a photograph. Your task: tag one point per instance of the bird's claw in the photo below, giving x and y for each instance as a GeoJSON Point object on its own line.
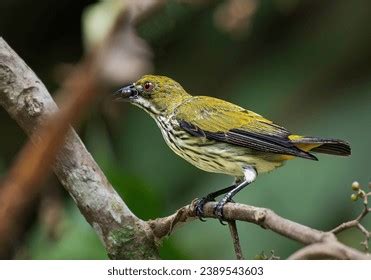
{"type": "Point", "coordinates": [199, 208]}
{"type": "Point", "coordinates": [218, 210]}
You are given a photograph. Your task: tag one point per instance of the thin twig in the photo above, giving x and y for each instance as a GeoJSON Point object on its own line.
{"type": "Point", "coordinates": [236, 240]}
{"type": "Point", "coordinates": [356, 223]}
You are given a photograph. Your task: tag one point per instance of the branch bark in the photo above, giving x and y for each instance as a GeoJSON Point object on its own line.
{"type": "Point", "coordinates": [263, 217]}
{"type": "Point", "coordinates": [27, 101]}
{"type": "Point", "coordinates": [235, 239]}
{"type": "Point", "coordinates": [267, 219]}
{"type": "Point", "coordinates": [328, 250]}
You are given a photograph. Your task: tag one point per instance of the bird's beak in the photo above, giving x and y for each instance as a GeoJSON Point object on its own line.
{"type": "Point", "coordinates": [127, 93]}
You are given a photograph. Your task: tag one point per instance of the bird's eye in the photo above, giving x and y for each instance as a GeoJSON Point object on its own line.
{"type": "Point", "coordinates": [148, 86]}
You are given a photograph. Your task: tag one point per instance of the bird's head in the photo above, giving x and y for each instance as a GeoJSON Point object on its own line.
{"type": "Point", "coordinates": [157, 95]}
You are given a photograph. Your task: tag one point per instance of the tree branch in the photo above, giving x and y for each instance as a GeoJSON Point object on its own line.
{"type": "Point", "coordinates": [263, 217]}
{"type": "Point", "coordinates": [27, 101]}
{"type": "Point", "coordinates": [267, 219]}
{"type": "Point", "coordinates": [328, 250]}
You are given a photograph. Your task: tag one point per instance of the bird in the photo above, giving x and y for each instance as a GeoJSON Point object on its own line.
{"type": "Point", "coordinates": [220, 137]}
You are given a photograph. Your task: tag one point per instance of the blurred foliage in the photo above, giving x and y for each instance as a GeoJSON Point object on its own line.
{"type": "Point", "coordinates": [304, 64]}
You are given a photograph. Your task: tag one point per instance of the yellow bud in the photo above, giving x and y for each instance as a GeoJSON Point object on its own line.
{"type": "Point", "coordinates": [354, 197]}
{"type": "Point", "coordinates": [355, 186]}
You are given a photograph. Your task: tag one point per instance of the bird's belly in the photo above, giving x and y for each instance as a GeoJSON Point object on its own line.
{"type": "Point", "coordinates": [227, 159]}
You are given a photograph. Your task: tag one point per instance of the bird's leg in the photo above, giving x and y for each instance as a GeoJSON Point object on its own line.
{"type": "Point", "coordinates": [249, 176]}
{"type": "Point", "coordinates": [199, 209]}
{"type": "Point", "coordinates": [218, 210]}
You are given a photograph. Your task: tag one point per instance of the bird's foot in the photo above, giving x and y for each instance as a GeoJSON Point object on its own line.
{"type": "Point", "coordinates": [199, 208]}
{"type": "Point", "coordinates": [218, 209]}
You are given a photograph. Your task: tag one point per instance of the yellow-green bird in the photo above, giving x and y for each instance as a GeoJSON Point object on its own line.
{"type": "Point", "coordinates": [217, 136]}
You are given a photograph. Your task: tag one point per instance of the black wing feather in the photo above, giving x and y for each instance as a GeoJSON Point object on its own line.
{"type": "Point", "coordinates": [256, 141]}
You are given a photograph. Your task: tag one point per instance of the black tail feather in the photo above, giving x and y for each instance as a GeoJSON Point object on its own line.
{"type": "Point", "coordinates": [339, 149]}
{"type": "Point", "coordinates": [328, 146]}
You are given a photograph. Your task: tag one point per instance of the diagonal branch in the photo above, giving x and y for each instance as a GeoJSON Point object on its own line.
{"type": "Point", "coordinates": [27, 101]}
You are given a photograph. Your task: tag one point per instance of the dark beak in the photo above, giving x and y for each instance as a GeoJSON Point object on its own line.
{"type": "Point", "coordinates": [126, 93]}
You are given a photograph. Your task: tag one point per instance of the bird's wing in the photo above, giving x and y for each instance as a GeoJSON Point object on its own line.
{"type": "Point", "coordinates": [216, 119]}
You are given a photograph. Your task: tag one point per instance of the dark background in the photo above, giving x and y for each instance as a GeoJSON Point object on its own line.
{"type": "Point", "coordinates": [304, 64]}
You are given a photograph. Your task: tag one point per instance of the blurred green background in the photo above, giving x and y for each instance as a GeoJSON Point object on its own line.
{"type": "Point", "coordinates": [304, 64]}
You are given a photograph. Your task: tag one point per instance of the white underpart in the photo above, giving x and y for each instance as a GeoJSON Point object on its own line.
{"type": "Point", "coordinates": [249, 174]}
{"type": "Point", "coordinates": [145, 105]}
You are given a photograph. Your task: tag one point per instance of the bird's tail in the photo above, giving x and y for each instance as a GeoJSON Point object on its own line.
{"type": "Point", "coordinates": [321, 145]}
